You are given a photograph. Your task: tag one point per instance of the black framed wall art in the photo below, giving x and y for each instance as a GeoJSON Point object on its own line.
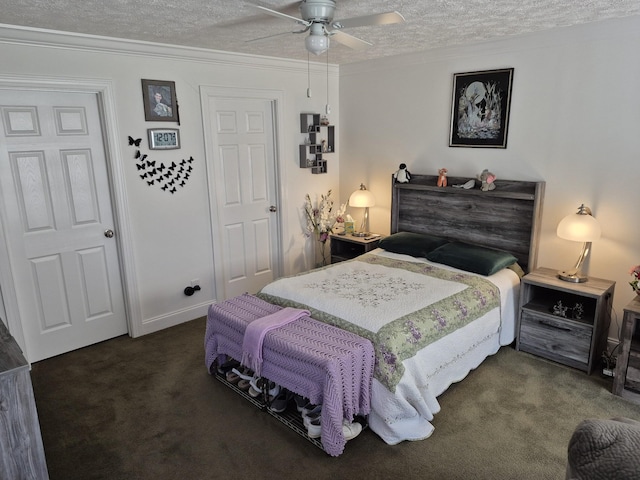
{"type": "Point", "coordinates": [480, 108]}
{"type": "Point", "coordinates": [160, 103]}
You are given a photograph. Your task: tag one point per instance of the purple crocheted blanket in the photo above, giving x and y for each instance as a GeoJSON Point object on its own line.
{"type": "Point", "coordinates": [327, 365]}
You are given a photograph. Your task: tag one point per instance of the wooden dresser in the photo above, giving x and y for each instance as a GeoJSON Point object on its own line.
{"type": "Point", "coordinates": [21, 450]}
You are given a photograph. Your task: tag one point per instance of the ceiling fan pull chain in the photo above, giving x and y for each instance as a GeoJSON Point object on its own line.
{"type": "Point", "coordinates": [308, 77]}
{"type": "Point", "coordinates": [327, 108]}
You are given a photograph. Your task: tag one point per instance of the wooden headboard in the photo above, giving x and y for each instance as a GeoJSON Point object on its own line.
{"type": "Point", "coordinates": [507, 218]}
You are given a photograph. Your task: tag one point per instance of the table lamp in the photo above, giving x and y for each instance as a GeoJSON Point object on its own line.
{"type": "Point", "coordinates": [579, 227]}
{"type": "Point", "coordinates": [362, 198]}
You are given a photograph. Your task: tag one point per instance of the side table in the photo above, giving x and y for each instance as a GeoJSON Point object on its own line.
{"type": "Point", "coordinates": [627, 379]}
{"type": "Point", "coordinates": [346, 247]}
{"type": "Point", "coordinates": [563, 321]}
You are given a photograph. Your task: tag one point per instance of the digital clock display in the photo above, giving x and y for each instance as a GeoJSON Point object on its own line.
{"type": "Point", "coordinates": [164, 138]}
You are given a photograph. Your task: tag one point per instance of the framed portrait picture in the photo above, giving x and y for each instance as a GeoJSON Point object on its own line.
{"type": "Point", "coordinates": [160, 104]}
{"type": "Point", "coordinates": [480, 108]}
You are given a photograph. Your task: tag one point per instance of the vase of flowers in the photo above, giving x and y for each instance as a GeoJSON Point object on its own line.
{"type": "Point", "coordinates": [635, 273]}
{"type": "Point", "coordinates": [321, 221]}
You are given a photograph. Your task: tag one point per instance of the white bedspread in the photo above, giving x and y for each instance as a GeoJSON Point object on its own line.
{"type": "Point", "coordinates": [406, 413]}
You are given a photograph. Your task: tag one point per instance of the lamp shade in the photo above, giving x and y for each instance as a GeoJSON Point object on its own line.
{"type": "Point", "coordinates": [580, 226]}
{"type": "Point", "coordinates": [362, 198]}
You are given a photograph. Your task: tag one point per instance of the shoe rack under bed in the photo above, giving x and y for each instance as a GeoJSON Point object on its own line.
{"type": "Point", "coordinates": [290, 417]}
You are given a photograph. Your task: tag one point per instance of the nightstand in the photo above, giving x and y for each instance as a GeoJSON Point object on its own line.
{"type": "Point", "coordinates": [627, 379]}
{"type": "Point", "coordinates": [346, 247]}
{"type": "Point", "coordinates": [563, 321]}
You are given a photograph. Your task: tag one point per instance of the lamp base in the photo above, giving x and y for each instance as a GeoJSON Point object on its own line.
{"type": "Point", "coordinates": [572, 277]}
{"type": "Point", "coordinates": [360, 234]}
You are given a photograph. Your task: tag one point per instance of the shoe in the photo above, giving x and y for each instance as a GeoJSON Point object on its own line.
{"type": "Point", "coordinates": [310, 408]}
{"type": "Point", "coordinates": [281, 401]}
{"type": "Point", "coordinates": [234, 374]}
{"type": "Point", "coordinates": [243, 378]}
{"type": "Point", "coordinates": [301, 402]}
{"type": "Point", "coordinates": [314, 428]}
{"type": "Point", "coordinates": [307, 419]}
{"type": "Point", "coordinates": [311, 415]}
{"type": "Point", "coordinates": [351, 430]}
{"type": "Point", "coordinates": [227, 366]}
{"type": "Point", "coordinates": [257, 384]}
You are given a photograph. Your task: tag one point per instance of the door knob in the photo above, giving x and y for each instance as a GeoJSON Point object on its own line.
{"type": "Point", "coordinates": [108, 233]}
{"type": "Point", "coordinates": [273, 208]}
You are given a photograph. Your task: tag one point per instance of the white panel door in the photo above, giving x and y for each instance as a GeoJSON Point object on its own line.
{"type": "Point", "coordinates": [244, 169]}
{"type": "Point", "coordinates": [57, 208]}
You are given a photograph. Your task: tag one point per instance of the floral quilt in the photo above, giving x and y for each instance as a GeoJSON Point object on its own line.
{"type": "Point", "coordinates": [400, 306]}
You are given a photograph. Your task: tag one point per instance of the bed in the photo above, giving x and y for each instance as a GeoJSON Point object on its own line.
{"type": "Point", "coordinates": [424, 345]}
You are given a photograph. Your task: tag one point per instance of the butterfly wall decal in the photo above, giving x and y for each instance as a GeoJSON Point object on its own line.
{"type": "Point", "coordinates": [176, 173]}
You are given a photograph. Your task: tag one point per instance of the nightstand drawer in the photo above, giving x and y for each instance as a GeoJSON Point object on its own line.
{"type": "Point", "coordinates": [346, 247]}
{"type": "Point", "coordinates": [557, 339]}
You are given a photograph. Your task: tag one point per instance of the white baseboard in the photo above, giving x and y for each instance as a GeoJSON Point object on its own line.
{"type": "Point", "coordinates": [174, 318]}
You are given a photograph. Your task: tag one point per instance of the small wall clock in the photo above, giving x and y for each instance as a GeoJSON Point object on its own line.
{"type": "Point", "coordinates": [164, 138]}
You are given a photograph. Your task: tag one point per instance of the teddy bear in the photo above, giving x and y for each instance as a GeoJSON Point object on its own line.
{"type": "Point", "coordinates": [402, 175]}
{"type": "Point", "coordinates": [487, 178]}
{"type": "Point", "coordinates": [442, 177]}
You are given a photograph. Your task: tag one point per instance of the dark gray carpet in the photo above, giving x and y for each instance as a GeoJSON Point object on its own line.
{"type": "Point", "coordinates": [147, 409]}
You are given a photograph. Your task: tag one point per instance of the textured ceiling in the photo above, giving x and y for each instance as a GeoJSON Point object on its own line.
{"type": "Point", "coordinates": [229, 24]}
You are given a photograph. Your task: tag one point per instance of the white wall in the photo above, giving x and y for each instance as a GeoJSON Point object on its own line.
{"type": "Point", "coordinates": [171, 234]}
{"type": "Point", "coordinates": [575, 123]}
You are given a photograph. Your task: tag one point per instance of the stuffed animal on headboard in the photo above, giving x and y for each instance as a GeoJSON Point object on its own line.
{"type": "Point", "coordinates": [487, 178]}
{"type": "Point", "coordinates": [402, 175]}
{"type": "Point", "coordinates": [442, 177]}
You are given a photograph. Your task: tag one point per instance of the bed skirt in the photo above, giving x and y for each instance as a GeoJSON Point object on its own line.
{"type": "Point", "coordinates": [325, 364]}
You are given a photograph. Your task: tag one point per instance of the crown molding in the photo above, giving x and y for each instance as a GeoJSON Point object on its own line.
{"type": "Point", "coordinates": [36, 37]}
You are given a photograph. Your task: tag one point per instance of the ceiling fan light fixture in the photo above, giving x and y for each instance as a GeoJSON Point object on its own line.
{"type": "Point", "coordinates": [317, 44]}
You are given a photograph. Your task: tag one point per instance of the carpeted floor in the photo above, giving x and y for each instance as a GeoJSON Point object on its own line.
{"type": "Point", "coordinates": [146, 408]}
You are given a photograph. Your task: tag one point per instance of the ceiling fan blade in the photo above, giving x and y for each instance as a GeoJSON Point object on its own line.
{"type": "Point", "coordinates": [267, 36]}
{"type": "Point", "coordinates": [349, 40]}
{"type": "Point", "coordinates": [376, 19]}
{"type": "Point", "coordinates": [275, 13]}
{"type": "Point", "coordinates": [292, 8]}
{"type": "Point", "coordinates": [276, 35]}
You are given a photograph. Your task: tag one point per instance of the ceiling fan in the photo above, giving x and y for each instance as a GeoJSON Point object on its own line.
{"type": "Point", "coordinates": [317, 19]}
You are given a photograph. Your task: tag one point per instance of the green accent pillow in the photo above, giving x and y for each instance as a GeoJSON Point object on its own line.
{"type": "Point", "coordinates": [414, 244]}
{"type": "Point", "coordinates": [472, 258]}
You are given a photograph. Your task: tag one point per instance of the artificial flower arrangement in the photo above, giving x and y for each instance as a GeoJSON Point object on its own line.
{"type": "Point", "coordinates": [635, 273]}
{"type": "Point", "coordinates": [321, 220]}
